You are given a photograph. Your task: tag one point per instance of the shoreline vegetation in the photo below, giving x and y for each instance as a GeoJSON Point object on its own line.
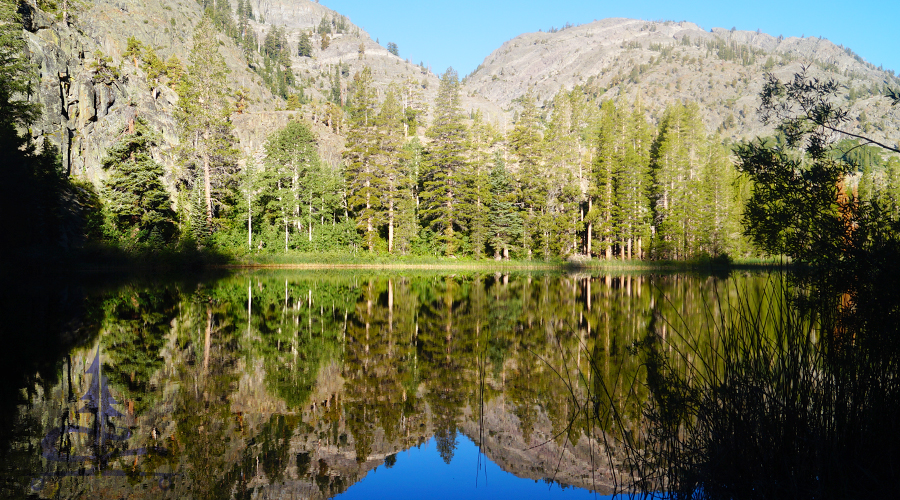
{"type": "Point", "coordinates": [111, 259]}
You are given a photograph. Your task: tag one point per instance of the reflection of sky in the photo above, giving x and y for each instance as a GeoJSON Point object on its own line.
{"type": "Point", "coordinates": [421, 473]}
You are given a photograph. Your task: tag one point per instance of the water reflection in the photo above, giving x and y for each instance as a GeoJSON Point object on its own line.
{"type": "Point", "coordinates": [287, 384]}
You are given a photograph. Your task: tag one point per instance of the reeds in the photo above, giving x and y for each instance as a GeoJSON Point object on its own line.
{"type": "Point", "coordinates": [776, 398]}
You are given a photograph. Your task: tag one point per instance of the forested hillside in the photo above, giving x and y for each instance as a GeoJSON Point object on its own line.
{"type": "Point", "coordinates": [269, 127]}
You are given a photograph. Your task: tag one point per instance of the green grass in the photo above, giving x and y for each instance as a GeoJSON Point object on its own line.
{"type": "Point", "coordinates": [365, 260]}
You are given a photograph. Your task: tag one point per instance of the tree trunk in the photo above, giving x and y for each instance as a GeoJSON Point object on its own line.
{"type": "Point", "coordinates": [207, 187]}
{"type": "Point", "coordinates": [590, 236]}
{"type": "Point", "coordinates": [391, 226]}
{"type": "Point", "coordinates": [295, 189]}
{"type": "Point", "coordinates": [590, 229]}
{"type": "Point", "coordinates": [369, 228]}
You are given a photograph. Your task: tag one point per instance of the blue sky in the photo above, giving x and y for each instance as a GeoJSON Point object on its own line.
{"type": "Point", "coordinates": [461, 33]}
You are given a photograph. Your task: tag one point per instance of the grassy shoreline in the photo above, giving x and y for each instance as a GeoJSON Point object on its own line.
{"type": "Point", "coordinates": [100, 259]}
{"type": "Point", "coordinates": [342, 261]}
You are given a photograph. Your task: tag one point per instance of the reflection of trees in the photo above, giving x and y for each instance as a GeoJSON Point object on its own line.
{"type": "Point", "coordinates": [402, 353]}
{"type": "Point", "coordinates": [136, 324]}
{"type": "Point", "coordinates": [446, 349]}
{"type": "Point", "coordinates": [42, 323]}
{"type": "Point", "coordinates": [206, 343]}
{"type": "Point", "coordinates": [377, 365]}
{"type": "Point", "coordinates": [294, 327]}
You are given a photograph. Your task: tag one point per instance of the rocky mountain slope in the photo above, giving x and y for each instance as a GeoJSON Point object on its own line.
{"type": "Point", "coordinates": [89, 91]}
{"type": "Point", "coordinates": [658, 62]}
{"type": "Point", "coordinates": [87, 101]}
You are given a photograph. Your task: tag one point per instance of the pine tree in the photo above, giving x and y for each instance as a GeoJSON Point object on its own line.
{"type": "Point", "coordinates": [414, 105]}
{"type": "Point", "coordinates": [390, 159]}
{"type": "Point", "coordinates": [203, 109]}
{"type": "Point", "coordinates": [889, 198]}
{"type": "Point", "coordinates": [363, 182]}
{"type": "Point", "coordinates": [304, 45]}
{"type": "Point", "coordinates": [407, 220]}
{"type": "Point", "coordinates": [505, 222]}
{"type": "Point", "coordinates": [719, 211]}
{"type": "Point", "coordinates": [292, 165]}
{"type": "Point", "coordinates": [393, 49]}
{"type": "Point", "coordinates": [199, 224]}
{"type": "Point", "coordinates": [475, 209]}
{"type": "Point", "coordinates": [607, 164]}
{"type": "Point", "coordinates": [633, 184]}
{"type": "Point", "coordinates": [563, 157]}
{"type": "Point", "coordinates": [678, 155]}
{"type": "Point", "coordinates": [133, 193]}
{"type": "Point", "coordinates": [336, 94]}
{"type": "Point", "coordinates": [16, 71]}
{"type": "Point", "coordinates": [445, 164]}
{"type": "Point", "coordinates": [525, 145]}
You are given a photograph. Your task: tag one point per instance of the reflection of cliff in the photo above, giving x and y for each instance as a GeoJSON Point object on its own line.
{"type": "Point", "coordinates": [583, 464]}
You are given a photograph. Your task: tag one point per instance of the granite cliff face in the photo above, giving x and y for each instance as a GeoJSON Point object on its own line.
{"type": "Point", "coordinates": [86, 105]}
{"type": "Point", "coordinates": [86, 100]}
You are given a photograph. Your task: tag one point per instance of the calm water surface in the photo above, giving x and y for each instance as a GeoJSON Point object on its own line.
{"type": "Point", "coordinates": [316, 385]}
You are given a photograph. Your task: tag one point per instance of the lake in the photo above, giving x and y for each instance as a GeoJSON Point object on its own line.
{"type": "Point", "coordinates": [356, 384]}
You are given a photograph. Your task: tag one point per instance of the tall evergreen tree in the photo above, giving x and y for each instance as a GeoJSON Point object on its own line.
{"type": "Point", "coordinates": [563, 156]}
{"type": "Point", "coordinates": [633, 184]}
{"type": "Point", "coordinates": [390, 159]}
{"type": "Point", "coordinates": [718, 211]}
{"type": "Point", "coordinates": [505, 222]}
{"type": "Point", "coordinates": [525, 145]}
{"type": "Point", "coordinates": [362, 175]}
{"type": "Point", "coordinates": [475, 209]}
{"type": "Point", "coordinates": [203, 113]}
{"type": "Point", "coordinates": [889, 197]}
{"type": "Point", "coordinates": [446, 167]}
{"type": "Point", "coordinates": [407, 217]}
{"type": "Point", "coordinates": [607, 164]}
{"type": "Point", "coordinates": [292, 165]}
{"type": "Point", "coordinates": [678, 155]}
{"type": "Point", "coordinates": [304, 45]}
{"type": "Point", "coordinates": [134, 195]}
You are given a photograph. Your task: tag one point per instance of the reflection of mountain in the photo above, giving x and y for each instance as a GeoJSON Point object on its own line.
{"type": "Point", "coordinates": [302, 385]}
{"type": "Point", "coordinates": [566, 463]}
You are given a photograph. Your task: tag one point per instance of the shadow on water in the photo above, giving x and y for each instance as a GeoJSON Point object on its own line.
{"type": "Point", "coordinates": [45, 319]}
{"type": "Point", "coordinates": [790, 391]}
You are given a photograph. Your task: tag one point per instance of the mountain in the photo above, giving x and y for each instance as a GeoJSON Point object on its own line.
{"type": "Point", "coordinates": [84, 110]}
{"type": "Point", "coordinates": [658, 62]}
{"type": "Point", "coordinates": [89, 90]}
